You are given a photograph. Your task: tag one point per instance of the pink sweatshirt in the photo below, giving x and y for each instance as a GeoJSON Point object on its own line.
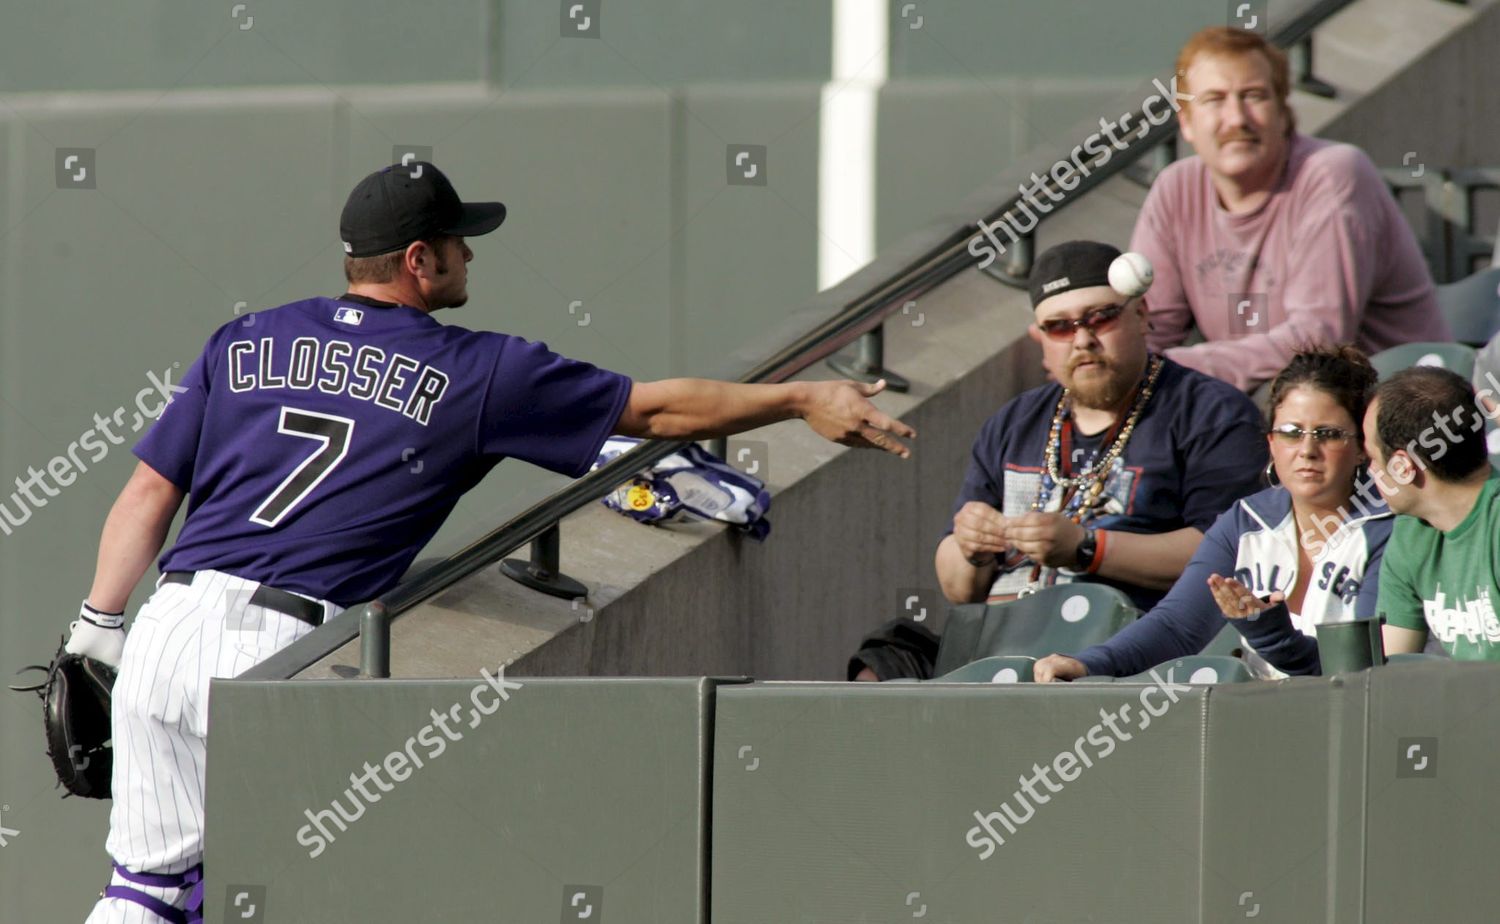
{"type": "Point", "coordinates": [1328, 258]}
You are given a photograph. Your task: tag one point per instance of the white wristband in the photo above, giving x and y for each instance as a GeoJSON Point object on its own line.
{"type": "Point", "coordinates": [102, 620]}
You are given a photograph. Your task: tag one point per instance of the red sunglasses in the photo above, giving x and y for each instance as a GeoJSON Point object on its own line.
{"type": "Point", "coordinates": [1094, 321]}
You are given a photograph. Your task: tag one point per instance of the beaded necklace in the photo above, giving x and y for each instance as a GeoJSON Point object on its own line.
{"type": "Point", "coordinates": [1081, 492]}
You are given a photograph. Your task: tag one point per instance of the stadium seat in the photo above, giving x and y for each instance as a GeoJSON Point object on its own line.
{"type": "Point", "coordinates": [1455, 356]}
{"type": "Point", "coordinates": [1062, 618]}
{"type": "Point", "coordinates": [1197, 669]}
{"type": "Point", "coordinates": [1226, 644]}
{"type": "Point", "coordinates": [1472, 306]}
{"type": "Point", "coordinates": [1006, 669]}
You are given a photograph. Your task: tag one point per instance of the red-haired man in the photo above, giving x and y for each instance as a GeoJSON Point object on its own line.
{"type": "Point", "coordinates": [1268, 239]}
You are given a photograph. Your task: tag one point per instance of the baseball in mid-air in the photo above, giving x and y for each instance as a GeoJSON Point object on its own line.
{"type": "Point", "coordinates": [1130, 274]}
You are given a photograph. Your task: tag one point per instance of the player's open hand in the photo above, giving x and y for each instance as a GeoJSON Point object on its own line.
{"type": "Point", "coordinates": [1236, 601]}
{"type": "Point", "coordinates": [1049, 539]}
{"type": "Point", "coordinates": [842, 412]}
{"type": "Point", "coordinates": [979, 530]}
{"type": "Point", "coordinates": [1056, 668]}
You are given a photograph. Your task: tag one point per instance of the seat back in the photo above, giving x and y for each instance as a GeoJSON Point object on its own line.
{"type": "Point", "coordinates": [1197, 669]}
{"type": "Point", "coordinates": [1227, 643]}
{"type": "Point", "coordinates": [1454, 356]}
{"type": "Point", "coordinates": [1000, 669]}
{"type": "Point", "coordinates": [1472, 306]}
{"type": "Point", "coordinates": [1064, 618]}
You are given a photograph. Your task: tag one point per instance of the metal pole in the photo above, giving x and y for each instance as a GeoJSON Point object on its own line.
{"type": "Point", "coordinates": [868, 364]}
{"type": "Point", "coordinates": [374, 642]}
{"type": "Point", "coordinates": [1301, 55]}
{"type": "Point", "coordinates": [1163, 156]}
{"type": "Point", "coordinates": [1021, 257]}
{"type": "Point", "coordinates": [546, 553]}
{"type": "Point", "coordinates": [544, 570]}
{"type": "Point", "coordinates": [872, 349]}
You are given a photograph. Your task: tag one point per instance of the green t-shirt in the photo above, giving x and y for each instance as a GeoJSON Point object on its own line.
{"type": "Point", "coordinates": [1445, 583]}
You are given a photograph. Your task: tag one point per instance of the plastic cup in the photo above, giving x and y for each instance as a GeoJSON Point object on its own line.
{"type": "Point", "coordinates": [1350, 646]}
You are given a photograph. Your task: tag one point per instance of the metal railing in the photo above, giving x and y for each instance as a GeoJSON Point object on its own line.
{"type": "Point", "coordinates": [943, 256]}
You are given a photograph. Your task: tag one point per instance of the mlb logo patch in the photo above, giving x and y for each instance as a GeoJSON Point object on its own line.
{"type": "Point", "coordinates": [348, 316]}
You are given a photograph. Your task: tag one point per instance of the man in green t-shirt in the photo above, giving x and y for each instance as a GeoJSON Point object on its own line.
{"type": "Point", "coordinates": [1426, 442]}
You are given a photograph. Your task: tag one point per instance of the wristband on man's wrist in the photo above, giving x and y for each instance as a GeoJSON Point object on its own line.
{"type": "Point", "coordinates": [1101, 538]}
{"type": "Point", "coordinates": [1090, 552]}
{"type": "Point", "coordinates": [100, 618]}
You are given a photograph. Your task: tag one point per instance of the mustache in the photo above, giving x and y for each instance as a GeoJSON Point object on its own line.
{"type": "Point", "coordinates": [1082, 358]}
{"type": "Point", "coordinates": [1239, 136]}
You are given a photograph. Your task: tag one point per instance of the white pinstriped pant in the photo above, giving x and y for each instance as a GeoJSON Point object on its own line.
{"type": "Point", "coordinates": [184, 636]}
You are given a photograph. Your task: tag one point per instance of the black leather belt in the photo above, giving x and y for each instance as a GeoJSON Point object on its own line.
{"type": "Point", "coordinates": [309, 611]}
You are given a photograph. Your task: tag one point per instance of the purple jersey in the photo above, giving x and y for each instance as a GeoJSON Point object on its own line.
{"type": "Point", "coordinates": [324, 442]}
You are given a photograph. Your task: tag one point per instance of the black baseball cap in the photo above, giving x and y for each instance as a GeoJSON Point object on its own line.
{"type": "Point", "coordinates": [1068, 266]}
{"type": "Point", "coordinates": [402, 203]}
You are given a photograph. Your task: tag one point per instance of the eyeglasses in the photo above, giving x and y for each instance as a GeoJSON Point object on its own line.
{"type": "Point", "coordinates": [1291, 435]}
{"type": "Point", "coordinates": [1095, 321]}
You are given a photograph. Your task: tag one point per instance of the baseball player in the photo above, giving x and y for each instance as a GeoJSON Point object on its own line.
{"type": "Point", "coordinates": [292, 441]}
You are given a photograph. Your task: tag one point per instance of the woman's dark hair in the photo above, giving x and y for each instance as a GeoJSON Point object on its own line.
{"type": "Point", "coordinates": [1341, 372]}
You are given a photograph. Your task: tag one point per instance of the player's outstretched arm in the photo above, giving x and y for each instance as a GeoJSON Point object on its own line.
{"type": "Point", "coordinates": [133, 535]}
{"type": "Point", "coordinates": [694, 409]}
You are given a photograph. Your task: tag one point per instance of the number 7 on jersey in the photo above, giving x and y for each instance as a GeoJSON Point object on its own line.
{"type": "Point", "coordinates": [332, 433]}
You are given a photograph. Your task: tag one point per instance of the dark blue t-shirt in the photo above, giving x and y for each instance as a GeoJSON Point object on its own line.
{"type": "Point", "coordinates": [1199, 447]}
{"type": "Point", "coordinates": [324, 442]}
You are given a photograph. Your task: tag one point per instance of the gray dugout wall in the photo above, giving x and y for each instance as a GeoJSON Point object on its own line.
{"type": "Point", "coordinates": [508, 801]}
{"type": "Point", "coordinates": [1359, 799]}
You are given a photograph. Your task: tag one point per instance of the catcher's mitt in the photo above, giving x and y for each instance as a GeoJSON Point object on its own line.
{"type": "Point", "coordinates": [75, 711]}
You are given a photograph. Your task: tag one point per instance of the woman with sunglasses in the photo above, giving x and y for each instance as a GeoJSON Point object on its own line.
{"type": "Point", "coordinates": [1303, 552]}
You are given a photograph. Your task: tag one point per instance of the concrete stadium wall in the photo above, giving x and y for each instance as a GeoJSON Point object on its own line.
{"type": "Point", "coordinates": [1357, 799]}
{"type": "Point", "coordinates": [137, 44]}
{"type": "Point", "coordinates": [1437, 107]}
{"type": "Point", "coordinates": [503, 812]}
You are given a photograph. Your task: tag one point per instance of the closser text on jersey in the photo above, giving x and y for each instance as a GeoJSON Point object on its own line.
{"type": "Point", "coordinates": [335, 367]}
